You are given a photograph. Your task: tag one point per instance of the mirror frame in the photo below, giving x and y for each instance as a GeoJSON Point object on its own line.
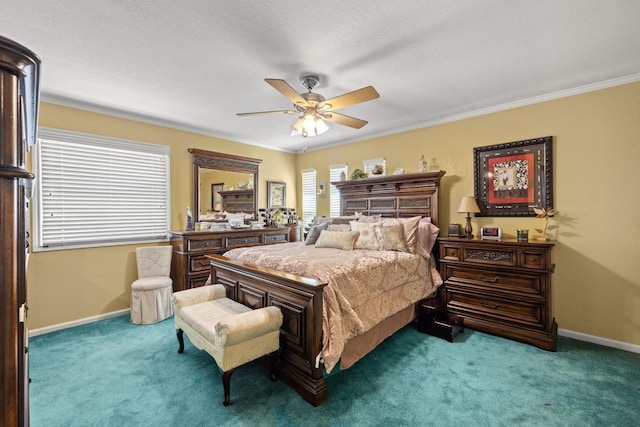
{"type": "Point", "coordinates": [225, 162]}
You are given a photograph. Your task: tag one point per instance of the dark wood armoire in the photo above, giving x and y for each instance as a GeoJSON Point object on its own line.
{"type": "Point", "coordinates": [19, 83]}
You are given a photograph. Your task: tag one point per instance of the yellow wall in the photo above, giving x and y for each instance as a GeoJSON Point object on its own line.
{"type": "Point", "coordinates": [68, 285]}
{"type": "Point", "coordinates": [596, 153]}
{"type": "Point", "coordinates": [596, 174]}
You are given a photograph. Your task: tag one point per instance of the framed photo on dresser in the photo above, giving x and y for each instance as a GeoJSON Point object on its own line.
{"type": "Point", "coordinates": [511, 179]}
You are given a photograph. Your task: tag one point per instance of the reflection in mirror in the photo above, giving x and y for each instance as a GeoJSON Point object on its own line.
{"type": "Point", "coordinates": [236, 176]}
{"type": "Point", "coordinates": [212, 182]}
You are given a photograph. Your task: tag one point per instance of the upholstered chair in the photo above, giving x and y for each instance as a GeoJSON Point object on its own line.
{"type": "Point", "coordinates": [151, 293]}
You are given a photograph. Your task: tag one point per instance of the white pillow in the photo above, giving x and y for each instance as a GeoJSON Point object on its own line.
{"type": "Point", "coordinates": [336, 239]}
{"type": "Point", "coordinates": [367, 238]}
{"type": "Point", "coordinates": [339, 227]}
{"type": "Point", "coordinates": [426, 236]}
{"type": "Point", "coordinates": [410, 226]}
{"type": "Point", "coordinates": [391, 238]}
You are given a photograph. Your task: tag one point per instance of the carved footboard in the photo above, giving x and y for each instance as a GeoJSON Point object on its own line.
{"type": "Point", "coordinates": [300, 300]}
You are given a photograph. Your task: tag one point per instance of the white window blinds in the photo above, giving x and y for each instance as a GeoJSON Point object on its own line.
{"type": "Point", "coordinates": [308, 195]}
{"type": "Point", "coordinates": [334, 195]}
{"type": "Point", "coordinates": [95, 191]}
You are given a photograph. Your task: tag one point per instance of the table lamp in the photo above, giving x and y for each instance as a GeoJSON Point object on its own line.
{"type": "Point", "coordinates": [468, 205]}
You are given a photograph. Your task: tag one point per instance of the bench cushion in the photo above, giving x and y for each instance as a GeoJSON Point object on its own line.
{"type": "Point", "coordinates": [203, 317]}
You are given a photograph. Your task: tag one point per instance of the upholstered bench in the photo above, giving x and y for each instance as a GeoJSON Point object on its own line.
{"type": "Point", "coordinates": [230, 332]}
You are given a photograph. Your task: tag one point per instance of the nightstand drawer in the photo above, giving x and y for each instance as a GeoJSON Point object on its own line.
{"type": "Point", "coordinates": [532, 259]}
{"type": "Point", "coordinates": [497, 280]}
{"type": "Point", "coordinates": [496, 309]}
{"type": "Point", "coordinates": [490, 256]}
{"type": "Point", "coordinates": [198, 263]}
{"type": "Point", "coordinates": [450, 253]}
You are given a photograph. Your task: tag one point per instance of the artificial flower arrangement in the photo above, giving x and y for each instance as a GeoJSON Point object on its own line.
{"type": "Point", "coordinates": [358, 174]}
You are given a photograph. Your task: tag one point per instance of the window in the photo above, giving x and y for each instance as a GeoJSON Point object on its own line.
{"type": "Point", "coordinates": [369, 164]}
{"type": "Point", "coordinates": [308, 195]}
{"type": "Point", "coordinates": [97, 191]}
{"type": "Point", "coordinates": [334, 195]}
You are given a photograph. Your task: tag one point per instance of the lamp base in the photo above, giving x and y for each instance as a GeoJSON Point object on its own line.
{"type": "Point", "coordinates": [468, 230]}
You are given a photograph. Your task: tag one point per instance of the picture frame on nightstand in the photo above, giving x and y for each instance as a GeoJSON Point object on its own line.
{"type": "Point", "coordinates": [454, 230]}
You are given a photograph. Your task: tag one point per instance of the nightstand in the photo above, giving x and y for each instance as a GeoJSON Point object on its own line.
{"type": "Point", "coordinates": [502, 287]}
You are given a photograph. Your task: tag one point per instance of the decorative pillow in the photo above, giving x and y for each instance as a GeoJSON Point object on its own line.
{"type": "Point", "coordinates": [410, 226]}
{"type": "Point", "coordinates": [320, 220]}
{"type": "Point", "coordinates": [426, 235]}
{"type": "Point", "coordinates": [339, 227]}
{"type": "Point", "coordinates": [391, 238]}
{"type": "Point", "coordinates": [368, 218]}
{"type": "Point", "coordinates": [367, 238]}
{"type": "Point", "coordinates": [314, 232]}
{"type": "Point", "coordinates": [336, 239]}
{"type": "Point", "coordinates": [343, 219]}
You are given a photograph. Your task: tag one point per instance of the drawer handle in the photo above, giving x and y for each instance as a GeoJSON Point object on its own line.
{"type": "Point", "coordinates": [494, 280]}
{"type": "Point", "coordinates": [485, 305]}
{"type": "Point", "coordinates": [204, 264]}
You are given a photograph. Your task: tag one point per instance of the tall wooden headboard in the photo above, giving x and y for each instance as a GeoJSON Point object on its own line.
{"type": "Point", "coordinates": [397, 196]}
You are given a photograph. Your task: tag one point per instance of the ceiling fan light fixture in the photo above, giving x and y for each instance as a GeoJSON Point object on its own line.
{"type": "Point", "coordinates": [296, 129]}
{"type": "Point", "coordinates": [321, 127]}
{"type": "Point", "coordinates": [309, 125]}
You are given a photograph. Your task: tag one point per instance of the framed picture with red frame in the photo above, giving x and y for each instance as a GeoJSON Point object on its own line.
{"type": "Point", "coordinates": [511, 179]}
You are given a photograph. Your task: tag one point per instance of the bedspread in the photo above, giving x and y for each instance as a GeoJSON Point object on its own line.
{"type": "Point", "coordinates": [364, 286]}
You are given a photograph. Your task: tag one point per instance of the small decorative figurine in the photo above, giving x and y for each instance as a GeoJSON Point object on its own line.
{"type": "Point", "coordinates": [422, 164]}
{"type": "Point", "coordinates": [343, 176]}
{"type": "Point", "coordinates": [189, 219]}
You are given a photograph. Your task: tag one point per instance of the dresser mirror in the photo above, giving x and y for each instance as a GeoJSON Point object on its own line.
{"type": "Point", "coordinates": [214, 172]}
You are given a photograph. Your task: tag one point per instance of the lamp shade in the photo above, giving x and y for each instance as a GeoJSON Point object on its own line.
{"type": "Point", "coordinates": [468, 205]}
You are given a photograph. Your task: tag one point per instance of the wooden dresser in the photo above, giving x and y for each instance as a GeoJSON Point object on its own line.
{"type": "Point", "coordinates": [189, 265]}
{"type": "Point", "coordinates": [502, 287]}
{"type": "Point", "coordinates": [236, 201]}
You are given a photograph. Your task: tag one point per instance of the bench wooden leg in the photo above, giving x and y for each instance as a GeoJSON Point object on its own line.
{"type": "Point", "coordinates": [226, 385]}
{"type": "Point", "coordinates": [179, 334]}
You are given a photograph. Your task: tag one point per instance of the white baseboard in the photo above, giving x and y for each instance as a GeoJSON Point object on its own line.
{"type": "Point", "coordinates": [71, 324]}
{"type": "Point", "coordinates": [601, 341]}
{"type": "Point", "coordinates": [562, 332]}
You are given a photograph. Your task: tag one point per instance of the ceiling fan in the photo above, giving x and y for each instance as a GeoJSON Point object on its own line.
{"type": "Point", "coordinates": [313, 109]}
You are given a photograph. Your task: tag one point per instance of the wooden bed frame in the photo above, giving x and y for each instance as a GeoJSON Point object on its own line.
{"type": "Point", "coordinates": [300, 298]}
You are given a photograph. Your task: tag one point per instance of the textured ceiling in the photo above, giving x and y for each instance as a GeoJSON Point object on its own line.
{"type": "Point", "coordinates": [193, 64]}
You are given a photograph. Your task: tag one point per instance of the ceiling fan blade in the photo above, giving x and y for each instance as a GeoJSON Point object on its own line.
{"type": "Point", "coordinates": [258, 113]}
{"type": "Point", "coordinates": [361, 95]}
{"type": "Point", "coordinates": [341, 119]}
{"type": "Point", "coordinates": [285, 89]}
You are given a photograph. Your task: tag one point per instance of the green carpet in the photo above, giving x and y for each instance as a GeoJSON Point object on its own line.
{"type": "Point", "coordinates": [114, 373]}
